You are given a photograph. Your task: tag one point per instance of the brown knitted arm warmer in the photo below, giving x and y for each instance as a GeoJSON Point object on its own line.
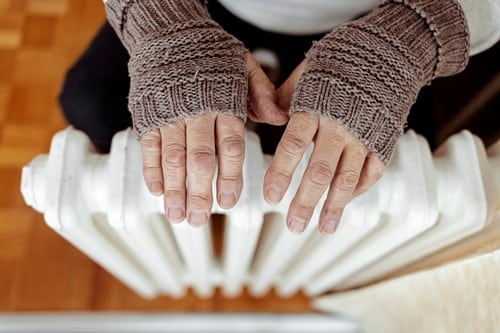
{"type": "Point", "coordinates": [366, 74]}
{"type": "Point", "coordinates": [182, 62]}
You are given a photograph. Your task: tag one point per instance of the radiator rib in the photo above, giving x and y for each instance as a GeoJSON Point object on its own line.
{"type": "Point", "coordinates": [423, 203]}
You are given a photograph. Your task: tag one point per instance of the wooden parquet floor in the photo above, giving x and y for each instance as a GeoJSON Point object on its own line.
{"type": "Point", "coordinates": [39, 271]}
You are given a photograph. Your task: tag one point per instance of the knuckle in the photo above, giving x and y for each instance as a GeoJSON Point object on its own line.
{"type": "Point", "coordinates": [230, 172]}
{"type": "Point", "coordinates": [305, 206]}
{"type": "Point", "coordinates": [375, 175]}
{"type": "Point", "coordinates": [336, 139]}
{"type": "Point", "coordinates": [201, 123]}
{"type": "Point", "coordinates": [320, 173]}
{"type": "Point", "coordinates": [151, 142]}
{"type": "Point", "coordinates": [233, 146]}
{"type": "Point", "coordinates": [231, 121]}
{"type": "Point", "coordinates": [174, 195]}
{"type": "Point", "coordinates": [293, 144]}
{"type": "Point", "coordinates": [331, 211]}
{"type": "Point", "coordinates": [200, 197]}
{"type": "Point", "coordinates": [279, 175]}
{"type": "Point", "coordinates": [346, 180]}
{"type": "Point", "coordinates": [177, 126]}
{"type": "Point", "coordinates": [152, 172]}
{"type": "Point", "coordinates": [174, 155]}
{"type": "Point", "coordinates": [375, 170]}
{"type": "Point", "coordinates": [306, 117]}
{"type": "Point", "coordinates": [302, 206]}
{"type": "Point", "coordinates": [358, 152]}
{"type": "Point", "coordinates": [203, 160]}
{"type": "Point", "coordinates": [175, 181]}
{"type": "Point", "coordinates": [224, 178]}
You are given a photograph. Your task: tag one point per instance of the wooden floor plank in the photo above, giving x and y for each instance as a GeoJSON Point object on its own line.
{"type": "Point", "coordinates": [10, 195]}
{"type": "Point", "coordinates": [15, 231]}
{"type": "Point", "coordinates": [53, 275]}
{"type": "Point", "coordinates": [47, 7]}
{"type": "Point", "coordinates": [40, 271]}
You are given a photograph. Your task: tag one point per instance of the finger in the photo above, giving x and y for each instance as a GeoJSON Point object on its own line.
{"type": "Point", "coordinates": [285, 92]}
{"type": "Point", "coordinates": [200, 167]}
{"type": "Point", "coordinates": [297, 137]}
{"type": "Point", "coordinates": [230, 133]}
{"type": "Point", "coordinates": [173, 137]}
{"type": "Point", "coordinates": [151, 161]}
{"type": "Point", "coordinates": [328, 147]}
{"type": "Point", "coordinates": [342, 187]}
{"type": "Point", "coordinates": [372, 171]}
{"type": "Point", "coordinates": [263, 99]}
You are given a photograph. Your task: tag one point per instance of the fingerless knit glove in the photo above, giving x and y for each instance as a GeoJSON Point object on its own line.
{"type": "Point", "coordinates": [181, 64]}
{"type": "Point", "coordinates": [366, 74]}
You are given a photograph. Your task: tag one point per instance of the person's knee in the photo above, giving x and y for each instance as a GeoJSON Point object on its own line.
{"type": "Point", "coordinates": [78, 97]}
{"type": "Point", "coordinates": [93, 97]}
{"type": "Point", "coordinates": [94, 105]}
{"type": "Point", "coordinates": [97, 82]}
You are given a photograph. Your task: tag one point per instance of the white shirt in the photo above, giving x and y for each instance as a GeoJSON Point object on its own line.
{"type": "Point", "coordinates": [299, 17]}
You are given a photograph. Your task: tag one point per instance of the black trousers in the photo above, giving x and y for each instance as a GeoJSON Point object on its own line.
{"type": "Point", "coordinates": [94, 94]}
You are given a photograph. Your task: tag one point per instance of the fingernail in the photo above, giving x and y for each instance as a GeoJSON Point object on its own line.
{"type": "Point", "coordinates": [273, 194]}
{"type": "Point", "coordinates": [175, 214]}
{"type": "Point", "coordinates": [328, 227]}
{"type": "Point", "coordinates": [296, 224]}
{"type": "Point", "coordinates": [226, 199]}
{"type": "Point", "coordinates": [198, 217]}
{"type": "Point", "coordinates": [156, 187]}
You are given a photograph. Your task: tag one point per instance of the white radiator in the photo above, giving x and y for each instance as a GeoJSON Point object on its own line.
{"type": "Point", "coordinates": [100, 204]}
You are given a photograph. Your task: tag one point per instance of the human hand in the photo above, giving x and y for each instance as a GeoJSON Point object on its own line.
{"type": "Point", "coordinates": [339, 162]}
{"type": "Point", "coordinates": [364, 75]}
{"type": "Point", "coordinates": [179, 158]}
{"type": "Point", "coordinates": [189, 85]}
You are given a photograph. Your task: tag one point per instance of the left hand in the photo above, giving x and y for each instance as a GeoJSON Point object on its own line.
{"type": "Point", "coordinates": [339, 161]}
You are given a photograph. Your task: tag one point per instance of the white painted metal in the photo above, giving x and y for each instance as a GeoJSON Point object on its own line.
{"type": "Point", "coordinates": [175, 323]}
{"type": "Point", "coordinates": [361, 218]}
{"type": "Point", "coordinates": [53, 185]}
{"type": "Point", "coordinates": [279, 246]}
{"type": "Point", "coordinates": [131, 215]}
{"type": "Point", "coordinates": [407, 199]}
{"type": "Point", "coordinates": [244, 221]}
{"type": "Point", "coordinates": [494, 162]}
{"type": "Point", "coordinates": [458, 162]}
{"type": "Point", "coordinates": [100, 204]}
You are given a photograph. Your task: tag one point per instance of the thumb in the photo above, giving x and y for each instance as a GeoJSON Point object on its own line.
{"type": "Point", "coordinates": [263, 99]}
{"type": "Point", "coordinates": [285, 92]}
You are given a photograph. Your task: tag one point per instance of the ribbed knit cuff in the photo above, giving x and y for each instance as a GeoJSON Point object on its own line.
{"type": "Point", "coordinates": [135, 19]}
{"type": "Point", "coordinates": [366, 74]}
{"type": "Point", "coordinates": [446, 20]}
{"type": "Point", "coordinates": [181, 64]}
{"type": "Point", "coordinates": [186, 70]}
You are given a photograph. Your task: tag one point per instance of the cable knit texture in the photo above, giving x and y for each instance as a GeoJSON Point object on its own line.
{"type": "Point", "coordinates": [366, 74]}
{"type": "Point", "coordinates": [181, 64]}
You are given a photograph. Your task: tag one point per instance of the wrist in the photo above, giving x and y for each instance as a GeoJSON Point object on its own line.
{"type": "Point", "coordinates": [134, 20]}
{"type": "Point", "coordinates": [434, 31]}
{"type": "Point", "coordinates": [182, 63]}
{"type": "Point", "coordinates": [366, 74]}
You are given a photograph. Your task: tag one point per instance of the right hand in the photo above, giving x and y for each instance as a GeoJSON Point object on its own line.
{"type": "Point", "coordinates": [179, 158]}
